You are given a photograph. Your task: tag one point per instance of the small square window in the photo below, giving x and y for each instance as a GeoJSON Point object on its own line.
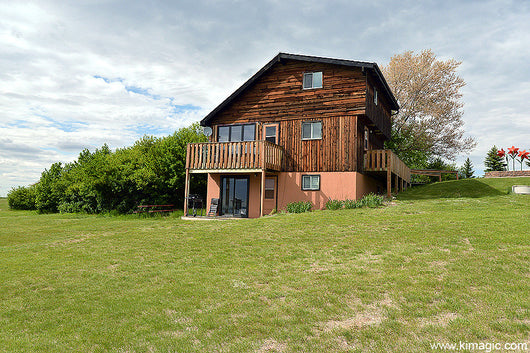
{"type": "Point", "coordinates": [312, 130]}
{"type": "Point", "coordinates": [312, 80]}
{"type": "Point", "coordinates": [310, 182]}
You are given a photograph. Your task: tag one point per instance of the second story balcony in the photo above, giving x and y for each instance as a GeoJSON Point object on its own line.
{"type": "Point", "coordinates": [247, 156]}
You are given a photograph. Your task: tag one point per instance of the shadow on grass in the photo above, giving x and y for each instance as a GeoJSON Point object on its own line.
{"type": "Point", "coordinates": [472, 188]}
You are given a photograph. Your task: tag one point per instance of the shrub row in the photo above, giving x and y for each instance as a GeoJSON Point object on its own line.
{"type": "Point", "coordinates": [371, 200]}
{"type": "Point", "coordinates": [299, 207]}
{"type": "Point", "coordinates": [152, 171]}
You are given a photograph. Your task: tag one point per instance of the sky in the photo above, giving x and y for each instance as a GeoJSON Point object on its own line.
{"type": "Point", "coordinates": [78, 74]}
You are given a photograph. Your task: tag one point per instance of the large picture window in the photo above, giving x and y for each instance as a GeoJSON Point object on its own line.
{"type": "Point", "coordinates": [312, 130]}
{"type": "Point", "coordinates": [312, 80]}
{"type": "Point", "coordinates": [310, 182]}
{"type": "Point", "coordinates": [236, 133]}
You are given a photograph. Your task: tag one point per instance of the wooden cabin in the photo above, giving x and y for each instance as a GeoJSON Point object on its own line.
{"type": "Point", "coordinates": [303, 128]}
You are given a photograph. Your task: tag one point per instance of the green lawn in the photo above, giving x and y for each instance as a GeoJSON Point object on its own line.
{"type": "Point", "coordinates": [444, 263]}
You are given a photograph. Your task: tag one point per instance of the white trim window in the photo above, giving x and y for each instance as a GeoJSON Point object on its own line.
{"type": "Point", "coordinates": [311, 182]}
{"type": "Point", "coordinates": [312, 80]}
{"type": "Point", "coordinates": [312, 130]}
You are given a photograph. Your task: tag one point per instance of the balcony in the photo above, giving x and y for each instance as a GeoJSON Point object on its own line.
{"type": "Point", "coordinates": [385, 163]}
{"type": "Point", "coordinates": [247, 156]}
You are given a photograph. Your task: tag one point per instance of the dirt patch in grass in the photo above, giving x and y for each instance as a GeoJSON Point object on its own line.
{"type": "Point", "coordinates": [470, 247]}
{"type": "Point", "coordinates": [365, 315]}
{"type": "Point", "coordinates": [442, 320]}
{"type": "Point", "coordinates": [271, 345]}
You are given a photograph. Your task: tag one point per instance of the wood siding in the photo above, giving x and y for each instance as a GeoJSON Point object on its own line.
{"type": "Point", "coordinates": [335, 152]}
{"type": "Point", "coordinates": [278, 95]}
{"type": "Point", "coordinates": [380, 114]}
{"type": "Point", "coordinates": [341, 105]}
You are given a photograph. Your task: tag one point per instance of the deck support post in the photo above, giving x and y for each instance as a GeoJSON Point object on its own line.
{"type": "Point", "coordinates": [388, 176]}
{"type": "Point", "coordinates": [262, 192]}
{"type": "Point", "coordinates": [186, 191]}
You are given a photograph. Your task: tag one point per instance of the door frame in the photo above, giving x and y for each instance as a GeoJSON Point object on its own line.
{"type": "Point", "coordinates": [223, 177]}
{"type": "Point", "coordinates": [273, 176]}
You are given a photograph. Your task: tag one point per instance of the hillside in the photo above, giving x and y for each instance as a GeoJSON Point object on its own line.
{"type": "Point", "coordinates": [474, 188]}
{"type": "Point", "coordinates": [444, 263]}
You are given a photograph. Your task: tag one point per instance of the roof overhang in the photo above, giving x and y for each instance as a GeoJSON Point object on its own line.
{"type": "Point", "coordinates": [365, 66]}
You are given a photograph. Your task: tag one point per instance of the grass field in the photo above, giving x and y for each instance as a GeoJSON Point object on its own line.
{"type": "Point", "coordinates": [445, 263]}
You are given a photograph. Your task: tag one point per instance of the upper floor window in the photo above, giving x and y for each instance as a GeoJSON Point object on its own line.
{"type": "Point", "coordinates": [236, 133]}
{"type": "Point", "coordinates": [311, 130]}
{"type": "Point", "coordinates": [375, 96]}
{"type": "Point", "coordinates": [270, 133]}
{"type": "Point", "coordinates": [312, 80]}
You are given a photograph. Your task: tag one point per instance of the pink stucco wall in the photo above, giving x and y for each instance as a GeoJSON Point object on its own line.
{"type": "Point", "coordinates": [333, 185]}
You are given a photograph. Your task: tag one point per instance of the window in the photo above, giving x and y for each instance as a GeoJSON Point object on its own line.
{"type": "Point", "coordinates": [310, 182]}
{"type": "Point", "coordinates": [312, 130]}
{"type": "Point", "coordinates": [236, 133]}
{"type": "Point", "coordinates": [366, 137]}
{"type": "Point", "coordinates": [270, 133]}
{"type": "Point", "coordinates": [312, 80]}
{"type": "Point", "coordinates": [375, 96]}
{"type": "Point", "coordinates": [269, 188]}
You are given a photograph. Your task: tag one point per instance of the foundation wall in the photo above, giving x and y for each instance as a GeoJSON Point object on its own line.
{"type": "Point", "coordinates": [333, 185]}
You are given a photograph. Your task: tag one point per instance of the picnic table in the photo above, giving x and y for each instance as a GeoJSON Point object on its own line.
{"type": "Point", "coordinates": [154, 209]}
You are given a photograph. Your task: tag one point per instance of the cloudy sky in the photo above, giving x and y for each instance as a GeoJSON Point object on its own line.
{"type": "Point", "coordinates": [77, 74]}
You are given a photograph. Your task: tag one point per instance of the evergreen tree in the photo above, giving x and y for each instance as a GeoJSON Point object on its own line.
{"type": "Point", "coordinates": [467, 169]}
{"type": "Point", "coordinates": [493, 161]}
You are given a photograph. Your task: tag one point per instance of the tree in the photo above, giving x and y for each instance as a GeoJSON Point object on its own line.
{"type": "Point", "coordinates": [429, 123]}
{"type": "Point", "coordinates": [493, 161]}
{"type": "Point", "coordinates": [152, 171]}
{"type": "Point", "coordinates": [467, 169]}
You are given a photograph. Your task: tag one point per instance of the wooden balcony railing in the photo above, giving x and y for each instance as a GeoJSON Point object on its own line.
{"type": "Point", "coordinates": [384, 161]}
{"type": "Point", "coordinates": [211, 156]}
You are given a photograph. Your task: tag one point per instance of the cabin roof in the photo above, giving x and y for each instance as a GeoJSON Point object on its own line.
{"type": "Point", "coordinates": [316, 59]}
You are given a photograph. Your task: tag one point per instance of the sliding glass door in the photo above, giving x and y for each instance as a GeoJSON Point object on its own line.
{"type": "Point", "coordinates": [234, 196]}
